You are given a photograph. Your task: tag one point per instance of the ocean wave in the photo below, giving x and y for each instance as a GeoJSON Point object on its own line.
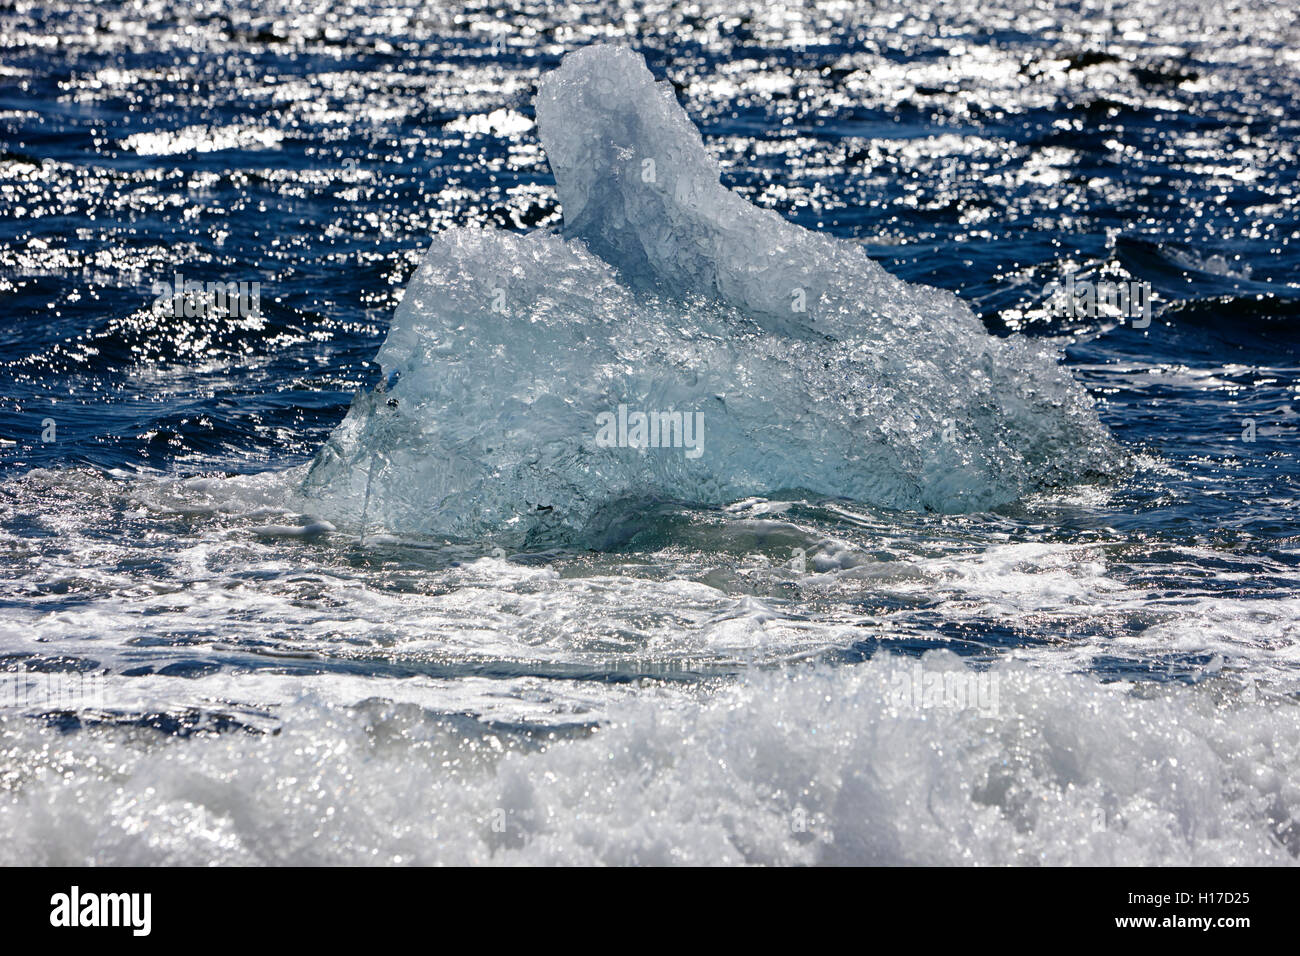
{"type": "Point", "coordinates": [890, 762]}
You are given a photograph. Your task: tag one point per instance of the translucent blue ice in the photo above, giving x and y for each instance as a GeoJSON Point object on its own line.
{"type": "Point", "coordinates": [523, 361]}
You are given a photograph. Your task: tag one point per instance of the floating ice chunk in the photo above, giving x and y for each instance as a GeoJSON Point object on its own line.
{"type": "Point", "coordinates": [533, 383]}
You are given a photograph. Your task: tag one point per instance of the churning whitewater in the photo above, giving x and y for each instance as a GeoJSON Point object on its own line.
{"type": "Point", "coordinates": [596, 472]}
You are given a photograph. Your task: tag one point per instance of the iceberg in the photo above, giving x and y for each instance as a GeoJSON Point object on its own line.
{"type": "Point", "coordinates": [536, 384]}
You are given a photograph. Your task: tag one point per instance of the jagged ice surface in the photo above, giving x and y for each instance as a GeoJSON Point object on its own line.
{"type": "Point", "coordinates": [811, 367]}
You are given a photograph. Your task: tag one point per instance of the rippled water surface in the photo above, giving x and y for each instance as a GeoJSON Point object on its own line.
{"type": "Point", "coordinates": [715, 684]}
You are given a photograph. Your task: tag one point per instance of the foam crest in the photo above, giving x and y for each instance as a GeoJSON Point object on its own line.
{"type": "Point", "coordinates": [865, 765]}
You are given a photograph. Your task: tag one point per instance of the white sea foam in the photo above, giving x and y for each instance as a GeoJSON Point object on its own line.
{"type": "Point", "coordinates": [823, 766]}
{"type": "Point", "coordinates": [387, 695]}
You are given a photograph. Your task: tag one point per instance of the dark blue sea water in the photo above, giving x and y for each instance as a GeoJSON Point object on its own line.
{"type": "Point", "coordinates": [275, 690]}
